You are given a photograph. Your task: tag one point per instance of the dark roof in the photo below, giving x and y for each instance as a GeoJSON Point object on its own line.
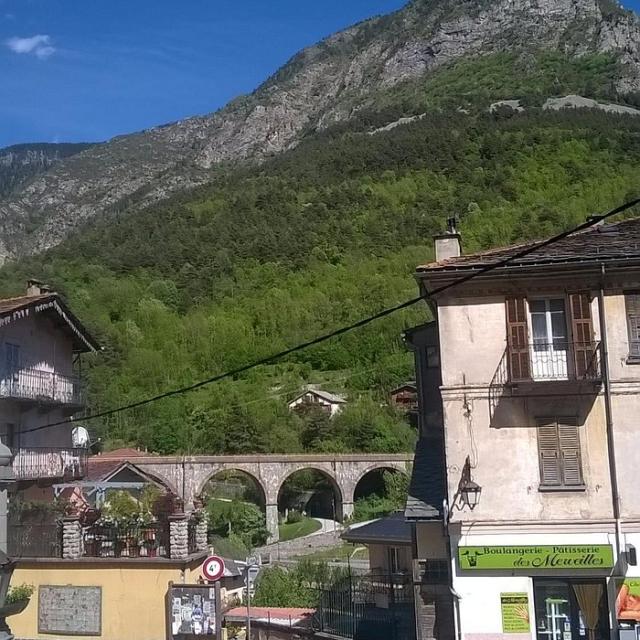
{"type": "Point", "coordinates": [393, 529]}
{"type": "Point", "coordinates": [427, 489]}
{"type": "Point", "coordinates": [12, 309]}
{"type": "Point", "coordinates": [616, 241]}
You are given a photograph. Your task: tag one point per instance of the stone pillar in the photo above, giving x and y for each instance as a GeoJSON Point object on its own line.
{"type": "Point", "coordinates": [71, 537]}
{"type": "Point", "coordinates": [347, 509]}
{"type": "Point", "coordinates": [272, 523]}
{"type": "Point", "coordinates": [179, 536]}
{"type": "Point", "coordinates": [202, 531]}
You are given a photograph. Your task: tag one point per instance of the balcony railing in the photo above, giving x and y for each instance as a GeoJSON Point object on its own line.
{"type": "Point", "coordinates": [42, 386]}
{"type": "Point", "coordinates": [548, 362]}
{"type": "Point", "coordinates": [149, 540]}
{"type": "Point", "coordinates": [37, 463]}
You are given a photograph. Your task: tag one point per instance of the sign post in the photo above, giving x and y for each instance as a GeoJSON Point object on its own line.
{"type": "Point", "coordinates": [252, 570]}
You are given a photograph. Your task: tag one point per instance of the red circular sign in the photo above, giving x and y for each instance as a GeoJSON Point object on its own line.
{"type": "Point", "coordinates": [213, 568]}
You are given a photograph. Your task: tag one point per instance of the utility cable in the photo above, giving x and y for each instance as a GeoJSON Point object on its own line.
{"type": "Point", "coordinates": [590, 222]}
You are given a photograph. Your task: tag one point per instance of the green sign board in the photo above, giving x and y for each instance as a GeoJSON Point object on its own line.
{"type": "Point", "coordinates": [515, 612]}
{"type": "Point", "coordinates": [598, 556]}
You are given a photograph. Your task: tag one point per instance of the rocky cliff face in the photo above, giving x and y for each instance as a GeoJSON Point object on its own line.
{"type": "Point", "coordinates": [321, 85]}
{"type": "Point", "coordinates": [21, 162]}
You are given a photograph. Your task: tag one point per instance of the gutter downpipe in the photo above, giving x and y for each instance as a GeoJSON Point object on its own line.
{"type": "Point", "coordinates": [613, 472]}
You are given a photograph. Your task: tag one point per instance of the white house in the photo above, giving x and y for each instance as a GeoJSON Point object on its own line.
{"type": "Point", "coordinates": [41, 342]}
{"type": "Point", "coordinates": [329, 402]}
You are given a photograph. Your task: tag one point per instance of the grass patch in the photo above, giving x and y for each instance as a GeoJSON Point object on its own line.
{"type": "Point", "coordinates": [298, 529]}
{"type": "Point", "coordinates": [231, 547]}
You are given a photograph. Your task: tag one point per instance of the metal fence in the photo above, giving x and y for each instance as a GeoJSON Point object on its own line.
{"type": "Point", "coordinates": [368, 607]}
{"type": "Point", "coordinates": [126, 541]}
{"type": "Point", "coordinates": [32, 540]}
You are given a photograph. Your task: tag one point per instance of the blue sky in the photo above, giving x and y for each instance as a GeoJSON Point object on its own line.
{"type": "Point", "coordinates": [77, 70]}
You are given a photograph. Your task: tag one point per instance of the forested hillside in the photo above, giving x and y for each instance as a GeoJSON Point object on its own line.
{"type": "Point", "coordinates": [265, 257]}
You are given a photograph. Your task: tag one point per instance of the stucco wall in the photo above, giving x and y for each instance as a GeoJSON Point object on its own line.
{"type": "Point", "coordinates": [379, 558]}
{"type": "Point", "coordinates": [133, 597]}
{"type": "Point", "coordinates": [504, 456]}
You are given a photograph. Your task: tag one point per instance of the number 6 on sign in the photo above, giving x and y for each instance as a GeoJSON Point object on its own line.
{"type": "Point", "coordinates": [213, 568]}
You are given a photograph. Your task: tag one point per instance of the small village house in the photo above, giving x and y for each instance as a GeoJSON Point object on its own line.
{"type": "Point", "coordinates": [332, 403]}
{"type": "Point", "coordinates": [41, 346]}
{"type": "Point", "coordinates": [523, 501]}
{"type": "Point", "coordinates": [405, 397]}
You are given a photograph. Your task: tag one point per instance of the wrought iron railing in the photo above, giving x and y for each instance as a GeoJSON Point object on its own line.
{"type": "Point", "coordinates": [37, 463]}
{"type": "Point", "coordinates": [549, 361]}
{"type": "Point", "coordinates": [372, 606]}
{"type": "Point", "coordinates": [126, 540]}
{"type": "Point", "coordinates": [41, 385]}
{"type": "Point", "coordinates": [34, 540]}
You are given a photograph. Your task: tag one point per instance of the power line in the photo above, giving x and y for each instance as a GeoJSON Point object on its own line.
{"type": "Point", "coordinates": [592, 221]}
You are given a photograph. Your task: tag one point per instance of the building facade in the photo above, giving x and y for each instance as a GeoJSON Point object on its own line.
{"type": "Point", "coordinates": [534, 387]}
{"type": "Point", "coordinates": [41, 342]}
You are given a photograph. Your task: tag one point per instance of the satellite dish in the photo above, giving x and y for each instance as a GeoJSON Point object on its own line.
{"type": "Point", "coordinates": [80, 437]}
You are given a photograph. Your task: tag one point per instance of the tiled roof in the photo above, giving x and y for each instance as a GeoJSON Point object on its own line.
{"type": "Point", "coordinates": [427, 487]}
{"type": "Point", "coordinates": [12, 309]}
{"type": "Point", "coordinates": [616, 241]}
{"type": "Point", "coordinates": [393, 529]}
{"type": "Point", "coordinates": [104, 465]}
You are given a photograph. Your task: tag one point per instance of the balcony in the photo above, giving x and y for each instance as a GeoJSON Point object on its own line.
{"type": "Point", "coordinates": [549, 362]}
{"type": "Point", "coordinates": [38, 385]}
{"type": "Point", "coordinates": [547, 369]}
{"type": "Point", "coordinates": [39, 463]}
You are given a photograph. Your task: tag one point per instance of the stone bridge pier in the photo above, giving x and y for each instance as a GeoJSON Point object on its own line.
{"type": "Point", "coordinates": [187, 476]}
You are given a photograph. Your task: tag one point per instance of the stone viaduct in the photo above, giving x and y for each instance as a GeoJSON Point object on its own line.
{"type": "Point", "coordinates": [187, 476]}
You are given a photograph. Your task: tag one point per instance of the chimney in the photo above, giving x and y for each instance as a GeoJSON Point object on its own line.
{"type": "Point", "coordinates": [37, 288]}
{"type": "Point", "coordinates": [448, 245]}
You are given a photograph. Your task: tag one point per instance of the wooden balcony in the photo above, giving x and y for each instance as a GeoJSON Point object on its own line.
{"type": "Point", "coordinates": [38, 385]}
{"type": "Point", "coordinates": [40, 463]}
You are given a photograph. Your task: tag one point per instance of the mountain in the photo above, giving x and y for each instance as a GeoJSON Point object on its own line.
{"type": "Point", "coordinates": [21, 162]}
{"type": "Point", "coordinates": [322, 85]}
{"type": "Point", "coordinates": [261, 254]}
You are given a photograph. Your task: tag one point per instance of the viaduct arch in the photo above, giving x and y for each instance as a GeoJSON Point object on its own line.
{"type": "Point", "coordinates": [190, 474]}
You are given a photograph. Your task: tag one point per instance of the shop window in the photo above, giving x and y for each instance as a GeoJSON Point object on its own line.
{"type": "Point", "coordinates": [571, 609]}
{"type": "Point", "coordinates": [632, 304]}
{"type": "Point", "coordinates": [559, 455]}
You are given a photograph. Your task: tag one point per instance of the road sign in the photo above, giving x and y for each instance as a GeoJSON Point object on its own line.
{"type": "Point", "coordinates": [251, 575]}
{"type": "Point", "coordinates": [213, 568]}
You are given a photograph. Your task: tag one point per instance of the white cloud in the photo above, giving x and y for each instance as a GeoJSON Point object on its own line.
{"type": "Point", "coordinates": [39, 46]}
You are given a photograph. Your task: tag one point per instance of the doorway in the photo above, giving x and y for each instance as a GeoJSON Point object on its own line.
{"type": "Point", "coordinates": [571, 609]}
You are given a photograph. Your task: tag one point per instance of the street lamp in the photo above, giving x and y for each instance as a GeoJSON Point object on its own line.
{"type": "Point", "coordinates": [470, 492]}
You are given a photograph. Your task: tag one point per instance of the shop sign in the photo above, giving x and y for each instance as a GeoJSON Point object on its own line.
{"type": "Point", "coordinates": [598, 556]}
{"type": "Point", "coordinates": [515, 612]}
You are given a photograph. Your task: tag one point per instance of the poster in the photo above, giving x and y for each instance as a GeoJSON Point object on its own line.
{"type": "Point", "coordinates": [515, 612]}
{"type": "Point", "coordinates": [192, 611]}
{"type": "Point", "coordinates": [628, 599]}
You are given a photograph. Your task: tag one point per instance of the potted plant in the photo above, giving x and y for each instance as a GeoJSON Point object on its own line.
{"type": "Point", "coordinates": [17, 600]}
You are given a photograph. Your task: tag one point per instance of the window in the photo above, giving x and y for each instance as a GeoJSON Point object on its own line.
{"type": "Point", "coordinates": [394, 560]}
{"type": "Point", "coordinates": [11, 357]}
{"type": "Point", "coordinates": [632, 304]}
{"type": "Point", "coordinates": [9, 436]}
{"type": "Point", "coordinates": [550, 343]}
{"type": "Point", "coordinates": [560, 456]}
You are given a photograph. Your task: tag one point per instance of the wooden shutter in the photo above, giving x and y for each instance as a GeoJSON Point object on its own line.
{"type": "Point", "coordinates": [549, 451]}
{"type": "Point", "coordinates": [517, 339]}
{"type": "Point", "coordinates": [582, 332]}
{"type": "Point", "coordinates": [570, 451]}
{"type": "Point", "coordinates": [632, 303]}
